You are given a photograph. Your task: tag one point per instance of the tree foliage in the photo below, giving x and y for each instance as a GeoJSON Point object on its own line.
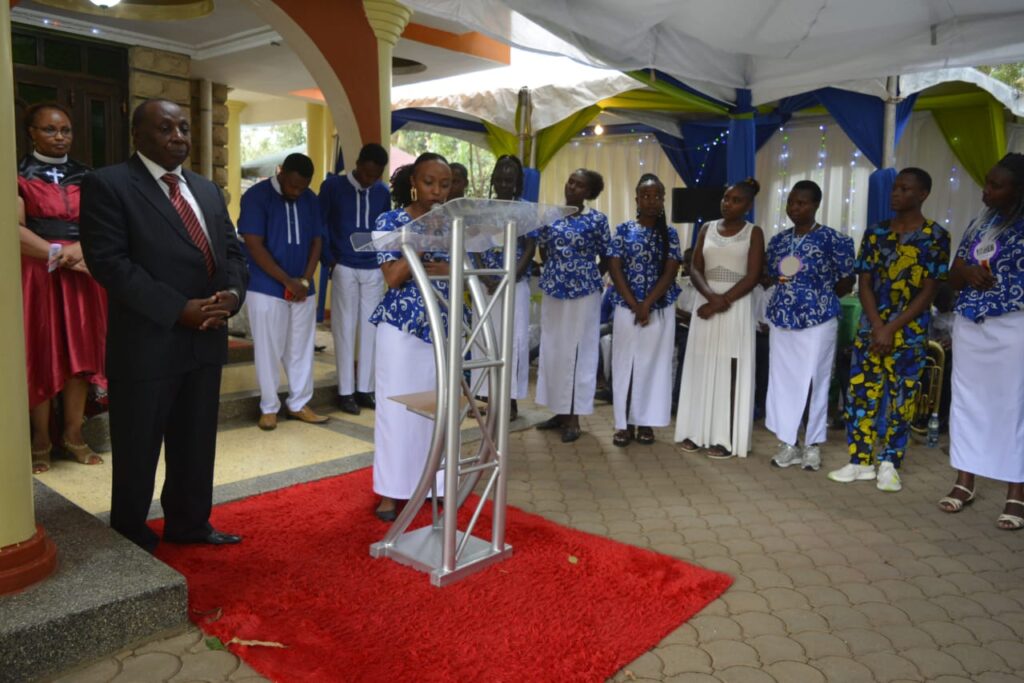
{"type": "Point", "coordinates": [1012, 74]}
{"type": "Point", "coordinates": [261, 141]}
{"type": "Point", "coordinates": [478, 160]}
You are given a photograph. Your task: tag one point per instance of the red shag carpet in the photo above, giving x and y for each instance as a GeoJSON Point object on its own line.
{"type": "Point", "coordinates": [567, 606]}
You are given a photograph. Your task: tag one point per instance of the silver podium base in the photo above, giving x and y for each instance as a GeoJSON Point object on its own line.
{"type": "Point", "coordinates": [423, 549]}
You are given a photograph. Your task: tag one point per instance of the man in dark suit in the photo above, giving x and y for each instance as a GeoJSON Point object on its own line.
{"type": "Point", "coordinates": [159, 239]}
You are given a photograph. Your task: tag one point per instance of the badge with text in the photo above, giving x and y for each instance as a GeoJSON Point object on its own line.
{"type": "Point", "coordinates": [789, 267]}
{"type": "Point", "coordinates": [985, 251]}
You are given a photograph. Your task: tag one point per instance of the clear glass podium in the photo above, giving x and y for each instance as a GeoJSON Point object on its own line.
{"type": "Point", "coordinates": [462, 228]}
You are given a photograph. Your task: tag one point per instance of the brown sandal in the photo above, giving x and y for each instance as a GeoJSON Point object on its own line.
{"type": "Point", "coordinates": [645, 435]}
{"type": "Point", "coordinates": [622, 438]}
{"type": "Point", "coordinates": [41, 460]}
{"type": "Point", "coordinates": [81, 453]}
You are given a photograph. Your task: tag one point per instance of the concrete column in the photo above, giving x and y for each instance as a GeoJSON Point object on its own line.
{"type": "Point", "coordinates": [388, 19]}
{"type": "Point", "coordinates": [235, 157]}
{"type": "Point", "coordinates": [206, 123]}
{"type": "Point", "coordinates": [26, 554]}
{"type": "Point", "coordinates": [317, 147]}
{"type": "Point", "coordinates": [892, 86]}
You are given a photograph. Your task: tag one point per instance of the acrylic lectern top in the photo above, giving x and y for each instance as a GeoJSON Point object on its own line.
{"type": "Point", "coordinates": [483, 225]}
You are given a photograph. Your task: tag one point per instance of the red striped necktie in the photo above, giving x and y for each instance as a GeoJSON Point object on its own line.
{"type": "Point", "coordinates": [191, 221]}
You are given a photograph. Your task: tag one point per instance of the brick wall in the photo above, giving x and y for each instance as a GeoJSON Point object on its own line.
{"type": "Point", "coordinates": [220, 132]}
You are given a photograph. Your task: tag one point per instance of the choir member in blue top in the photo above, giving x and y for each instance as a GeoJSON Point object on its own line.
{"type": "Point", "coordinates": [811, 266]}
{"type": "Point", "coordinates": [986, 426]}
{"type": "Point", "coordinates": [404, 358]}
{"type": "Point", "coordinates": [283, 231]}
{"type": "Point", "coordinates": [570, 323]}
{"type": "Point", "coordinates": [351, 204]}
{"type": "Point", "coordinates": [643, 261]}
{"type": "Point", "coordinates": [507, 184]}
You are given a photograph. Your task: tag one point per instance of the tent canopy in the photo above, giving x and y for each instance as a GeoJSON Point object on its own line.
{"type": "Point", "coordinates": [772, 48]}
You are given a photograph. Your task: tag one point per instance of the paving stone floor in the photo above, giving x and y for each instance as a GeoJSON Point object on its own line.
{"type": "Point", "coordinates": [833, 582]}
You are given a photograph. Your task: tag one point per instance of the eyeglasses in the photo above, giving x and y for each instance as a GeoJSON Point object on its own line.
{"type": "Point", "coordinates": [51, 132]}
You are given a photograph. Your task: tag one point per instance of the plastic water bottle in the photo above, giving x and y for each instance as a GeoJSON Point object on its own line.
{"type": "Point", "coordinates": [933, 431]}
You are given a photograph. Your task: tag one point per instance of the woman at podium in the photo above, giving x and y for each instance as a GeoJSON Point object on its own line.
{"type": "Point", "coordinates": [404, 359]}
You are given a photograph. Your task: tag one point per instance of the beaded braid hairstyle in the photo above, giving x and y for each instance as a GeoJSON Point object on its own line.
{"type": "Point", "coordinates": [660, 226]}
{"type": "Point", "coordinates": [1014, 164]}
{"type": "Point", "coordinates": [512, 160]}
{"type": "Point", "coordinates": [750, 187]}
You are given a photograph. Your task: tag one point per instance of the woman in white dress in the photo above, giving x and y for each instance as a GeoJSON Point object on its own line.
{"type": "Point", "coordinates": [986, 422]}
{"type": "Point", "coordinates": [403, 354]}
{"type": "Point", "coordinates": [716, 393]}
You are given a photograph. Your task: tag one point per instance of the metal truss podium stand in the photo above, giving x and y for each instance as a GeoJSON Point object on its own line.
{"type": "Point", "coordinates": [462, 228]}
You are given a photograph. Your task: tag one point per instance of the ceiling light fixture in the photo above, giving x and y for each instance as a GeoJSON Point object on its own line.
{"type": "Point", "coordinates": [105, 3]}
{"type": "Point", "coordinates": [598, 129]}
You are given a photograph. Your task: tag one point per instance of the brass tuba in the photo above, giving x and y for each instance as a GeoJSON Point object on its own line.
{"type": "Point", "coordinates": [928, 396]}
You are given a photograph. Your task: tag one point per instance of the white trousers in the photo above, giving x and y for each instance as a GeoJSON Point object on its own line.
{"type": "Point", "coordinates": [520, 343]}
{"type": "Point", "coordinates": [569, 331]}
{"type": "Point", "coordinates": [355, 293]}
{"type": "Point", "coordinates": [800, 363]}
{"type": "Point", "coordinates": [401, 438]}
{"type": "Point", "coordinates": [282, 335]}
{"type": "Point", "coordinates": [642, 356]}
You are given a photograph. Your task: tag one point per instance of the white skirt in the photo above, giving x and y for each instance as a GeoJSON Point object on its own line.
{"type": "Point", "coordinates": [707, 404]}
{"type": "Point", "coordinates": [800, 364]}
{"type": "Point", "coordinates": [404, 364]}
{"type": "Point", "coordinates": [986, 418]}
{"type": "Point", "coordinates": [642, 356]}
{"type": "Point", "coordinates": [520, 344]}
{"type": "Point", "coordinates": [569, 335]}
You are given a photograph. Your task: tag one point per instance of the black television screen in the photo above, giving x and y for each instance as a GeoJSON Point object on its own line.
{"type": "Point", "coordinates": [690, 204]}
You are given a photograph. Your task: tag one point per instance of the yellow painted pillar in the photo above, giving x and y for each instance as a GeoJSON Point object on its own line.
{"type": "Point", "coordinates": [235, 157]}
{"type": "Point", "coordinates": [29, 554]}
{"type": "Point", "coordinates": [316, 142]}
{"type": "Point", "coordinates": [388, 18]}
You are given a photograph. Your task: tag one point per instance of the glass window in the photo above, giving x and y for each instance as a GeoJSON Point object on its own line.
{"type": "Point", "coordinates": [98, 132]}
{"type": "Point", "coordinates": [23, 49]}
{"type": "Point", "coordinates": [105, 62]}
{"type": "Point", "coordinates": [32, 93]}
{"type": "Point", "coordinates": [62, 56]}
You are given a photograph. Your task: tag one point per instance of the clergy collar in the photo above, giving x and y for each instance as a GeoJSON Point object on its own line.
{"type": "Point", "coordinates": [50, 160]}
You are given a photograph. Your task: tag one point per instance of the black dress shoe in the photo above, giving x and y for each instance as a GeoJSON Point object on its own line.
{"type": "Point", "coordinates": [348, 404]}
{"type": "Point", "coordinates": [386, 515]}
{"type": "Point", "coordinates": [570, 434]}
{"type": "Point", "coordinates": [366, 399]}
{"type": "Point", "coordinates": [213, 538]}
{"type": "Point", "coordinates": [550, 423]}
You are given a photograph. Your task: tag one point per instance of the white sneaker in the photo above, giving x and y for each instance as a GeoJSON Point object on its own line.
{"type": "Point", "coordinates": [888, 478]}
{"type": "Point", "coordinates": [851, 472]}
{"type": "Point", "coordinates": [811, 460]}
{"type": "Point", "coordinates": [787, 455]}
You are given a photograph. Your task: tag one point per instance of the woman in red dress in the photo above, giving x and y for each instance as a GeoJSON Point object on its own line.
{"type": "Point", "coordinates": [65, 310]}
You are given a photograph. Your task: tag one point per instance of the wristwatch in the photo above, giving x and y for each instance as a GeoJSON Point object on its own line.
{"type": "Point", "coordinates": [304, 281]}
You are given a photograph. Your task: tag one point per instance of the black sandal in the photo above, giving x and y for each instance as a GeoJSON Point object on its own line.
{"type": "Point", "coordinates": [645, 436]}
{"type": "Point", "coordinates": [622, 438]}
{"type": "Point", "coordinates": [550, 423]}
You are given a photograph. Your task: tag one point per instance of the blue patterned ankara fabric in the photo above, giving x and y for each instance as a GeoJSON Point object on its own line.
{"type": "Point", "coordinates": [640, 251]}
{"type": "Point", "coordinates": [403, 307]}
{"type": "Point", "coordinates": [898, 270]}
{"type": "Point", "coordinates": [572, 246]}
{"type": "Point", "coordinates": [1007, 265]}
{"type": "Point", "coordinates": [809, 297]}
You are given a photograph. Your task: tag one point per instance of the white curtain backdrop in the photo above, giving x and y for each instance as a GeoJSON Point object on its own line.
{"type": "Point", "coordinates": [621, 160]}
{"type": "Point", "coordinates": [812, 148]}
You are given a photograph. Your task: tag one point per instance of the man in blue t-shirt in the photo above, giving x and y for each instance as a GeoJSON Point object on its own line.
{"type": "Point", "coordinates": [281, 224]}
{"type": "Point", "coordinates": [350, 205]}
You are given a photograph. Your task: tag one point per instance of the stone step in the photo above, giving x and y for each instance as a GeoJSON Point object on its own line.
{"type": "Point", "coordinates": [106, 594]}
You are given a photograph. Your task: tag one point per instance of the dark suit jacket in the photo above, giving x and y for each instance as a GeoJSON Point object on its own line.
{"type": "Point", "coordinates": [136, 246]}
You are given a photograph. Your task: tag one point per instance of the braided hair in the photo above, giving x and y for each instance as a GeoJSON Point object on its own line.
{"type": "Point", "coordinates": [660, 225]}
{"type": "Point", "coordinates": [511, 160]}
{"type": "Point", "coordinates": [749, 186]}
